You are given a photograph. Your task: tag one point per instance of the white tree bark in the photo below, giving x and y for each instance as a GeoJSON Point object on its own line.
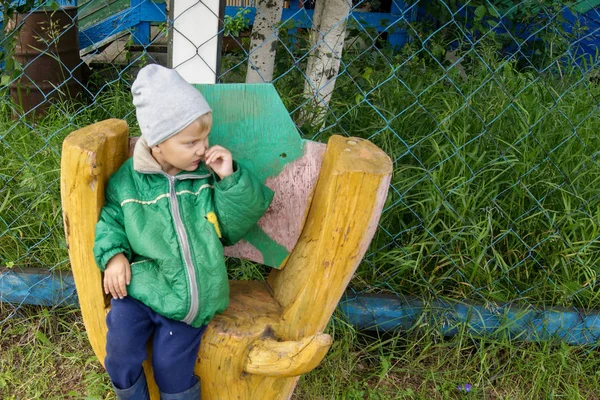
{"type": "Point", "coordinates": [327, 42]}
{"type": "Point", "coordinates": [263, 43]}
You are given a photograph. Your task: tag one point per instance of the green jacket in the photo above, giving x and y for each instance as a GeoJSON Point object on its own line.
{"type": "Point", "coordinates": [168, 227]}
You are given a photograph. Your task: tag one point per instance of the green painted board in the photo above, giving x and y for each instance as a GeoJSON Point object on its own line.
{"type": "Point", "coordinates": [96, 11]}
{"type": "Point", "coordinates": [586, 5]}
{"type": "Point", "coordinates": [88, 7]}
{"type": "Point", "coordinates": [251, 121]}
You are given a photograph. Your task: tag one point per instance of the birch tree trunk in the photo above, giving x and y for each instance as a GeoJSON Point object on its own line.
{"type": "Point", "coordinates": [327, 42]}
{"type": "Point", "coordinates": [263, 43]}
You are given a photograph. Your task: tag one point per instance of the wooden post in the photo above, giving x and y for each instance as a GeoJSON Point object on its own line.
{"type": "Point", "coordinates": [195, 47]}
{"type": "Point", "coordinates": [141, 33]}
{"type": "Point", "coordinates": [398, 35]}
{"type": "Point", "coordinates": [89, 157]}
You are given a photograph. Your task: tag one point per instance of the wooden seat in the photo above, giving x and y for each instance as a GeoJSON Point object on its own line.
{"type": "Point", "coordinates": [327, 203]}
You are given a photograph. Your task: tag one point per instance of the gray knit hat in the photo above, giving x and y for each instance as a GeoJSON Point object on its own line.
{"type": "Point", "coordinates": [165, 103]}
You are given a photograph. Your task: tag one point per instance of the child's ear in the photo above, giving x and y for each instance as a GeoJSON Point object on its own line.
{"type": "Point", "coordinates": [156, 149]}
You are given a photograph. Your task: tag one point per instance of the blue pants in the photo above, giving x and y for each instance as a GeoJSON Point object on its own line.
{"type": "Point", "coordinates": [174, 347]}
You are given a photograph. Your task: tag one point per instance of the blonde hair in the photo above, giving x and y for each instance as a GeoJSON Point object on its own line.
{"type": "Point", "coordinates": [205, 121]}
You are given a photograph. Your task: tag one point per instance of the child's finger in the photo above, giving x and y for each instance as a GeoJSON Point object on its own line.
{"type": "Point", "coordinates": [128, 275]}
{"type": "Point", "coordinates": [215, 149]}
{"type": "Point", "coordinates": [116, 287]}
{"type": "Point", "coordinates": [104, 283]}
{"type": "Point", "coordinates": [111, 288]}
{"type": "Point", "coordinates": [107, 285]}
{"type": "Point", "coordinates": [212, 159]}
{"type": "Point", "coordinates": [218, 154]}
{"type": "Point", "coordinates": [121, 286]}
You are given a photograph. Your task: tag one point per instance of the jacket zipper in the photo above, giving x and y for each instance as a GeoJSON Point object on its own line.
{"type": "Point", "coordinates": [185, 246]}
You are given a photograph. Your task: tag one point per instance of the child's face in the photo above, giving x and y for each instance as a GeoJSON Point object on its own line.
{"type": "Point", "coordinates": [183, 151]}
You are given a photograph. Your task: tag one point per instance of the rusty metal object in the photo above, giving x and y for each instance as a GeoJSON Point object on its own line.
{"type": "Point", "coordinates": [47, 48]}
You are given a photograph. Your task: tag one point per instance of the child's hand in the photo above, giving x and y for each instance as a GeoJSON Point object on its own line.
{"type": "Point", "coordinates": [117, 276]}
{"type": "Point", "coordinates": [220, 160]}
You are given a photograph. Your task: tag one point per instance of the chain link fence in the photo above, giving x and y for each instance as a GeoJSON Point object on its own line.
{"type": "Point", "coordinates": [488, 109]}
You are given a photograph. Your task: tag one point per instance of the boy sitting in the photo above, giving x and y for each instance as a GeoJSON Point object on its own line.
{"type": "Point", "coordinates": [160, 237]}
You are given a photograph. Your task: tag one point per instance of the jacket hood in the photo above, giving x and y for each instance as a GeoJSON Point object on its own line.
{"type": "Point", "coordinates": [143, 161]}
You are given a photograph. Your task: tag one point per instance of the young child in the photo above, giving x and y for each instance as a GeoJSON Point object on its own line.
{"type": "Point", "coordinates": [160, 233]}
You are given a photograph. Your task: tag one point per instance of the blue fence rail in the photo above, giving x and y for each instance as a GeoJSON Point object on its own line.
{"type": "Point", "coordinates": [366, 311]}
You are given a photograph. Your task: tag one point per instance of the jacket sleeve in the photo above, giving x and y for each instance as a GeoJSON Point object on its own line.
{"type": "Point", "coordinates": [110, 237]}
{"type": "Point", "coordinates": [240, 200]}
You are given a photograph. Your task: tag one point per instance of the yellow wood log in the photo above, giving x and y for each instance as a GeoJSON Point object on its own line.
{"type": "Point", "coordinates": [90, 156]}
{"type": "Point", "coordinates": [343, 217]}
{"type": "Point", "coordinates": [269, 357]}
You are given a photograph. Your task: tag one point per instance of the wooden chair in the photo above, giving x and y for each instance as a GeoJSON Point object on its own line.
{"type": "Point", "coordinates": [328, 200]}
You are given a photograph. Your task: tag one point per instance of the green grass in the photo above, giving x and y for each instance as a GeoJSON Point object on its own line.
{"type": "Point", "coordinates": [497, 206]}
{"type": "Point", "coordinates": [31, 230]}
{"type": "Point", "coordinates": [45, 355]}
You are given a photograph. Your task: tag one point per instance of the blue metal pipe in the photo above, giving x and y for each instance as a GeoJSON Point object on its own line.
{"type": "Point", "coordinates": [369, 312]}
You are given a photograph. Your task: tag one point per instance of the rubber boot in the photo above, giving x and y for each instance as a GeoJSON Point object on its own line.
{"type": "Point", "coordinates": [138, 391]}
{"type": "Point", "coordinates": [192, 393]}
